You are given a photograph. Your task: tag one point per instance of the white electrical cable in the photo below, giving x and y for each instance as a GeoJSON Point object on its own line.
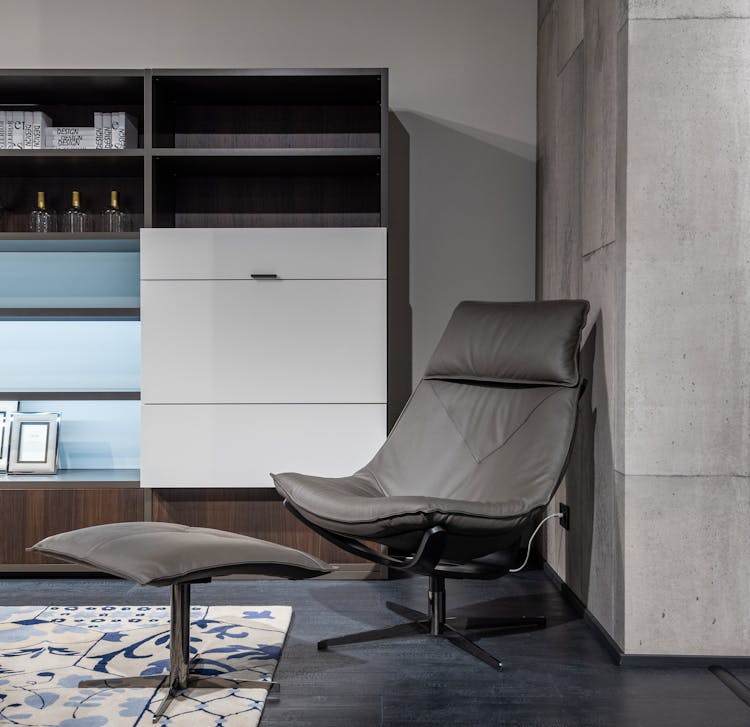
{"type": "Point", "coordinates": [531, 540]}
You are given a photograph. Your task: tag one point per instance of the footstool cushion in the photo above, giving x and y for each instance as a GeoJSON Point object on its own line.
{"type": "Point", "coordinates": [161, 554]}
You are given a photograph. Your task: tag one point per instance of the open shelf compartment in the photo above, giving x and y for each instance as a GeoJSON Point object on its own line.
{"type": "Point", "coordinates": [93, 174]}
{"type": "Point", "coordinates": [267, 191]}
{"type": "Point", "coordinates": [266, 110]}
{"type": "Point", "coordinates": [70, 97]}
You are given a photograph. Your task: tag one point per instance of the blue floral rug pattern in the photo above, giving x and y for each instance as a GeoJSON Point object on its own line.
{"type": "Point", "coordinates": [46, 651]}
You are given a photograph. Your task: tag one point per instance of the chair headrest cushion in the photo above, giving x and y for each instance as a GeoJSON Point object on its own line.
{"type": "Point", "coordinates": [522, 343]}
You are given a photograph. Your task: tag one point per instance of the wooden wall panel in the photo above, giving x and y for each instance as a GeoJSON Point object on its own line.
{"type": "Point", "coordinates": [30, 515]}
{"type": "Point", "coordinates": [257, 512]}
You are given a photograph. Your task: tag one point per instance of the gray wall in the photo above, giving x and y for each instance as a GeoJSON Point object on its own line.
{"type": "Point", "coordinates": [644, 133]}
{"type": "Point", "coordinates": [463, 79]}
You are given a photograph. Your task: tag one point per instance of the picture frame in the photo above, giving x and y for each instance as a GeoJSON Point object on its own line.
{"type": "Point", "coordinates": [33, 443]}
{"type": "Point", "coordinates": [7, 408]}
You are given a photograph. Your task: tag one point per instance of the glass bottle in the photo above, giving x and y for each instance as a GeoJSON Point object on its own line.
{"type": "Point", "coordinates": [41, 219]}
{"type": "Point", "coordinates": [113, 218]}
{"type": "Point", "coordinates": [75, 219]}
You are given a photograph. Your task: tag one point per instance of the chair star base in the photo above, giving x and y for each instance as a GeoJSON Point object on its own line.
{"type": "Point", "coordinates": [435, 623]}
{"type": "Point", "coordinates": [179, 678]}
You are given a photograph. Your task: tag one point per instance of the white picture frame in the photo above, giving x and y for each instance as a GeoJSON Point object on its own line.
{"type": "Point", "coordinates": [7, 408]}
{"type": "Point", "coordinates": [33, 443]}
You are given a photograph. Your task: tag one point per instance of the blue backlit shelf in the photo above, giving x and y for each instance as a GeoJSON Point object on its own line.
{"type": "Point", "coordinates": [86, 313]}
{"type": "Point", "coordinates": [69, 242]}
{"type": "Point", "coordinates": [50, 394]}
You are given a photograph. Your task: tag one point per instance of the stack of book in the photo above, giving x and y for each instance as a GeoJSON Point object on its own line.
{"type": "Point", "coordinates": [23, 129]}
{"type": "Point", "coordinates": [34, 130]}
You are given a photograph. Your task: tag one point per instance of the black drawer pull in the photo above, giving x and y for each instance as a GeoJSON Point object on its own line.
{"type": "Point", "coordinates": [264, 276]}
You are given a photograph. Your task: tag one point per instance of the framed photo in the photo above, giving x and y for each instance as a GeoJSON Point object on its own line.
{"type": "Point", "coordinates": [33, 444]}
{"type": "Point", "coordinates": [6, 409]}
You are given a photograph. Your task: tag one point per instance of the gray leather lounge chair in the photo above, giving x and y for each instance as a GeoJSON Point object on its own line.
{"type": "Point", "coordinates": [166, 554]}
{"type": "Point", "coordinates": [474, 458]}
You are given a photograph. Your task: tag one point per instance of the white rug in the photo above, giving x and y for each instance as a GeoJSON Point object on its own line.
{"type": "Point", "coordinates": [46, 651]}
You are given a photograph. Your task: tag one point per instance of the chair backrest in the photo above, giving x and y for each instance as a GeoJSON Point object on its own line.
{"type": "Point", "coordinates": [493, 418]}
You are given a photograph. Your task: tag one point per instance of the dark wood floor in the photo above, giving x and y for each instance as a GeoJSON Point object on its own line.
{"type": "Point", "coordinates": [558, 677]}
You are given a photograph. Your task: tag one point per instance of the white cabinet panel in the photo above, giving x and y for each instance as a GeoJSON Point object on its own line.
{"type": "Point", "coordinates": [238, 445]}
{"type": "Point", "coordinates": [264, 341]}
{"type": "Point", "coordinates": [290, 253]}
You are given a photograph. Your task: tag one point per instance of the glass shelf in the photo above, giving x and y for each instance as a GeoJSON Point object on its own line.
{"type": "Point", "coordinates": [46, 394]}
{"type": "Point", "coordinates": [59, 242]}
{"type": "Point", "coordinates": [78, 478]}
{"type": "Point", "coordinates": [15, 314]}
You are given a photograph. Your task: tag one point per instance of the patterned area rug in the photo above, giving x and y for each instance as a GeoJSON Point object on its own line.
{"type": "Point", "coordinates": [45, 652]}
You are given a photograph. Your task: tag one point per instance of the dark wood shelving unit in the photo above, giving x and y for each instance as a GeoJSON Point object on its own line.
{"type": "Point", "coordinates": [216, 148]}
{"type": "Point", "coordinates": [70, 98]}
{"type": "Point", "coordinates": [270, 149]}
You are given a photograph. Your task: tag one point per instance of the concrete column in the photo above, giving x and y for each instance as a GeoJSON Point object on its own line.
{"type": "Point", "coordinates": [648, 217]}
{"type": "Point", "coordinates": [687, 358]}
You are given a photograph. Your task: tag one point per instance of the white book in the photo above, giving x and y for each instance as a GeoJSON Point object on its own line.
{"type": "Point", "coordinates": [124, 131]}
{"type": "Point", "coordinates": [28, 126]}
{"type": "Point", "coordinates": [39, 130]}
{"type": "Point", "coordinates": [16, 130]}
{"type": "Point", "coordinates": [71, 137]}
{"type": "Point", "coordinates": [2, 129]}
{"type": "Point", "coordinates": [106, 130]}
{"type": "Point", "coordinates": [99, 130]}
{"type": "Point", "coordinates": [67, 130]}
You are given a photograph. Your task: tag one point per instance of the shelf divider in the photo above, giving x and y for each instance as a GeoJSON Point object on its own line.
{"type": "Point", "coordinates": [71, 395]}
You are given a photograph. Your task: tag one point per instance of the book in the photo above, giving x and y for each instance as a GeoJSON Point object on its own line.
{"type": "Point", "coordinates": [17, 130]}
{"type": "Point", "coordinates": [71, 137]}
{"type": "Point", "coordinates": [40, 123]}
{"type": "Point", "coordinates": [99, 130]}
{"type": "Point", "coordinates": [2, 129]}
{"type": "Point", "coordinates": [106, 130]}
{"type": "Point", "coordinates": [28, 124]}
{"type": "Point", "coordinates": [124, 131]}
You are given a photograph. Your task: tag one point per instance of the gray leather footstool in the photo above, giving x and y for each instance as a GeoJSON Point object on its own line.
{"type": "Point", "coordinates": [165, 554]}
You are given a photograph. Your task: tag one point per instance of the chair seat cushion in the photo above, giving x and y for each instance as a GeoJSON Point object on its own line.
{"type": "Point", "coordinates": [159, 554]}
{"type": "Point", "coordinates": [356, 506]}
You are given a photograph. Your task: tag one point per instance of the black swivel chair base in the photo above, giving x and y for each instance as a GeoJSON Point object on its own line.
{"type": "Point", "coordinates": [435, 623]}
{"type": "Point", "coordinates": [179, 677]}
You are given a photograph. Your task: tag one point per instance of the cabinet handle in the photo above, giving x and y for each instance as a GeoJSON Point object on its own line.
{"type": "Point", "coordinates": [264, 276]}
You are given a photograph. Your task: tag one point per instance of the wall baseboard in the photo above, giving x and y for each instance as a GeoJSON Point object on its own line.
{"type": "Point", "coordinates": [664, 661]}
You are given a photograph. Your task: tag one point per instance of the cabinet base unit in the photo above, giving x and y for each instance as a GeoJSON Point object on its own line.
{"type": "Point", "coordinates": [32, 514]}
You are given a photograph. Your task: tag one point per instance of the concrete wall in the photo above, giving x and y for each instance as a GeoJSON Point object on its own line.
{"type": "Point", "coordinates": [462, 80]}
{"type": "Point", "coordinates": [581, 255]}
{"type": "Point", "coordinates": [660, 477]}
